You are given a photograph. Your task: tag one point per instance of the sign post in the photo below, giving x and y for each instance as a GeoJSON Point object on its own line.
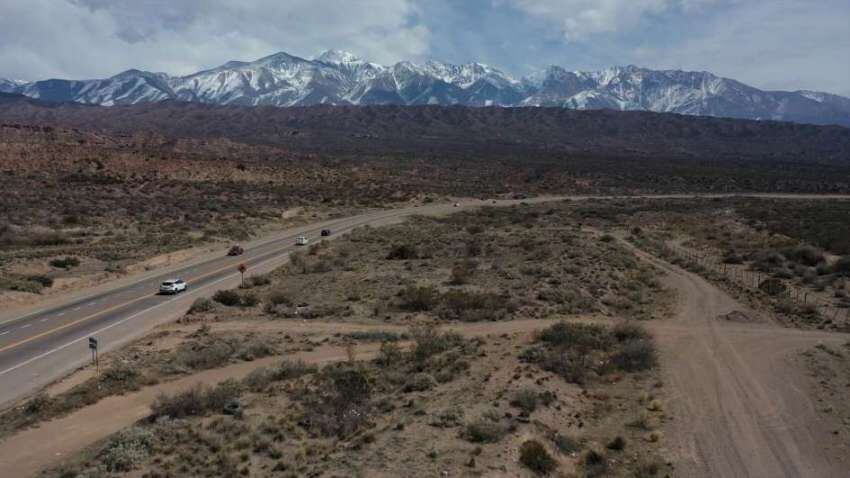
{"type": "Point", "coordinates": [94, 357]}
{"type": "Point", "coordinates": [242, 268]}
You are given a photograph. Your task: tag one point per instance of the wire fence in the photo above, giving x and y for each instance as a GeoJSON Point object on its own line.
{"type": "Point", "coordinates": [749, 279]}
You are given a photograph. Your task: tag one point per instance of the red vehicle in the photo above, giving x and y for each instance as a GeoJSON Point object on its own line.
{"type": "Point", "coordinates": [236, 250]}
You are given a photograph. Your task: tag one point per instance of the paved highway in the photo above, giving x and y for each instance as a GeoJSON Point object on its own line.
{"type": "Point", "coordinates": [40, 346]}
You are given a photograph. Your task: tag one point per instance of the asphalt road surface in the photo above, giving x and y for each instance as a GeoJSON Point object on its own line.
{"type": "Point", "coordinates": [41, 346]}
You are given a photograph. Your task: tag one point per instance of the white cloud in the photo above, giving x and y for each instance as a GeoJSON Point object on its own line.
{"type": "Point", "coordinates": [580, 18]}
{"type": "Point", "coordinates": [781, 44]}
{"type": "Point", "coordinates": [88, 38]}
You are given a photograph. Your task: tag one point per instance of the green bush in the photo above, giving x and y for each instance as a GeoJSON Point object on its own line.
{"type": "Point", "coordinates": [534, 456]}
{"type": "Point", "coordinates": [594, 464]}
{"type": "Point", "coordinates": [196, 401]}
{"type": "Point", "coordinates": [227, 297]}
{"type": "Point", "coordinates": [567, 445]}
{"type": "Point", "coordinates": [201, 305]}
{"type": "Point", "coordinates": [473, 306]}
{"type": "Point", "coordinates": [617, 444]}
{"type": "Point", "coordinates": [127, 449]}
{"type": "Point", "coordinates": [577, 336]}
{"type": "Point", "coordinates": [484, 431]}
{"type": "Point", "coordinates": [635, 356]}
{"type": "Point", "coordinates": [45, 281]}
{"type": "Point", "coordinates": [525, 399]}
{"type": "Point", "coordinates": [403, 252]}
{"type": "Point", "coordinates": [65, 263]}
{"type": "Point", "coordinates": [419, 299]}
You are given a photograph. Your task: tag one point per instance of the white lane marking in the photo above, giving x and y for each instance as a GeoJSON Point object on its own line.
{"type": "Point", "coordinates": [4, 333]}
{"type": "Point", "coordinates": [43, 320]}
{"type": "Point", "coordinates": [26, 326]}
{"type": "Point", "coordinates": [103, 329]}
{"type": "Point", "coordinates": [76, 308]}
{"type": "Point", "coordinates": [60, 314]}
{"type": "Point", "coordinates": [284, 253]}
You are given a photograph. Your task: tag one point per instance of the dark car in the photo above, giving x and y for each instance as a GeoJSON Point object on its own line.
{"type": "Point", "coordinates": [326, 232]}
{"type": "Point", "coordinates": [235, 251]}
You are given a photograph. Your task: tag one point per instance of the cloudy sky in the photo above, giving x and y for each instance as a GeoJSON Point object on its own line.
{"type": "Point", "coordinates": [772, 44]}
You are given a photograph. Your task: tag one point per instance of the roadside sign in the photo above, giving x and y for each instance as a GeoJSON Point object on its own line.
{"type": "Point", "coordinates": [94, 356]}
{"type": "Point", "coordinates": [242, 268]}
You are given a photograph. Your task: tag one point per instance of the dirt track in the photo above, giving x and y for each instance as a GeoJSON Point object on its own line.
{"type": "Point", "coordinates": [739, 407]}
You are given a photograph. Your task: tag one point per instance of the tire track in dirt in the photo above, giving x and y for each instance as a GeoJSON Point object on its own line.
{"type": "Point", "coordinates": [739, 408]}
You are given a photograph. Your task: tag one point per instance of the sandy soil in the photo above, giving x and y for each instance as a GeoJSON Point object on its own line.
{"type": "Point", "coordinates": [741, 407]}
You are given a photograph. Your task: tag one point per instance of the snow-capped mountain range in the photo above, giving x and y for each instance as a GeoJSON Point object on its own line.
{"type": "Point", "coordinates": [338, 77]}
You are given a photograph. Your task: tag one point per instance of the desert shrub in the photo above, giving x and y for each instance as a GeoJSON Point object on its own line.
{"type": "Point", "coordinates": [617, 444]}
{"type": "Point", "coordinates": [732, 257]}
{"type": "Point", "coordinates": [576, 336]}
{"type": "Point", "coordinates": [219, 396]}
{"type": "Point", "coordinates": [21, 285]}
{"type": "Point", "coordinates": [44, 281]}
{"type": "Point", "coordinates": [374, 336]}
{"type": "Point", "coordinates": [389, 354]}
{"type": "Point", "coordinates": [594, 464]}
{"type": "Point", "coordinates": [248, 300]}
{"type": "Point", "coordinates": [258, 280]}
{"type": "Point", "coordinates": [772, 286]}
{"type": "Point", "coordinates": [463, 272]}
{"type": "Point", "coordinates": [806, 255]}
{"type": "Point", "coordinates": [534, 456]}
{"type": "Point", "coordinates": [253, 349]}
{"type": "Point", "coordinates": [571, 366]}
{"type": "Point", "coordinates": [842, 266]}
{"type": "Point", "coordinates": [279, 298]}
{"type": "Point", "coordinates": [473, 306]}
{"type": "Point", "coordinates": [65, 262]}
{"type": "Point", "coordinates": [290, 369]}
{"type": "Point", "coordinates": [635, 355]}
{"type": "Point", "coordinates": [228, 298]}
{"type": "Point", "coordinates": [403, 252]}
{"type": "Point", "coordinates": [567, 445]}
{"type": "Point", "coordinates": [127, 449]}
{"type": "Point", "coordinates": [38, 404]}
{"type": "Point", "coordinates": [419, 382]}
{"type": "Point", "coordinates": [647, 469]}
{"type": "Point", "coordinates": [340, 405]}
{"type": "Point", "coordinates": [607, 238]}
{"type": "Point", "coordinates": [447, 418]}
{"type": "Point", "coordinates": [259, 379]}
{"type": "Point", "coordinates": [196, 401]}
{"type": "Point", "coordinates": [188, 403]}
{"type": "Point", "coordinates": [484, 431]}
{"type": "Point", "coordinates": [625, 331]}
{"type": "Point", "coordinates": [429, 342]}
{"type": "Point", "coordinates": [419, 299]}
{"type": "Point", "coordinates": [525, 399]}
{"type": "Point", "coordinates": [201, 305]}
{"type": "Point", "coordinates": [199, 356]}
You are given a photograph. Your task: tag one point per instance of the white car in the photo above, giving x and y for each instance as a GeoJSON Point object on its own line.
{"type": "Point", "coordinates": [301, 241]}
{"type": "Point", "coordinates": [173, 286]}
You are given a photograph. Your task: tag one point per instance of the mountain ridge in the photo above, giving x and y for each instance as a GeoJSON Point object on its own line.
{"type": "Point", "coordinates": [338, 77]}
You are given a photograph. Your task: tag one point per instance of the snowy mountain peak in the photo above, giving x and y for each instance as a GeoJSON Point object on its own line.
{"type": "Point", "coordinates": [340, 77]}
{"type": "Point", "coordinates": [338, 56]}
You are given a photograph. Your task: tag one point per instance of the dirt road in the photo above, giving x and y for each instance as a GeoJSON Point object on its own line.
{"type": "Point", "coordinates": [740, 408]}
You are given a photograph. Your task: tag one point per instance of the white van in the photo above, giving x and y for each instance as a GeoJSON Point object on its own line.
{"type": "Point", "coordinates": [301, 241]}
